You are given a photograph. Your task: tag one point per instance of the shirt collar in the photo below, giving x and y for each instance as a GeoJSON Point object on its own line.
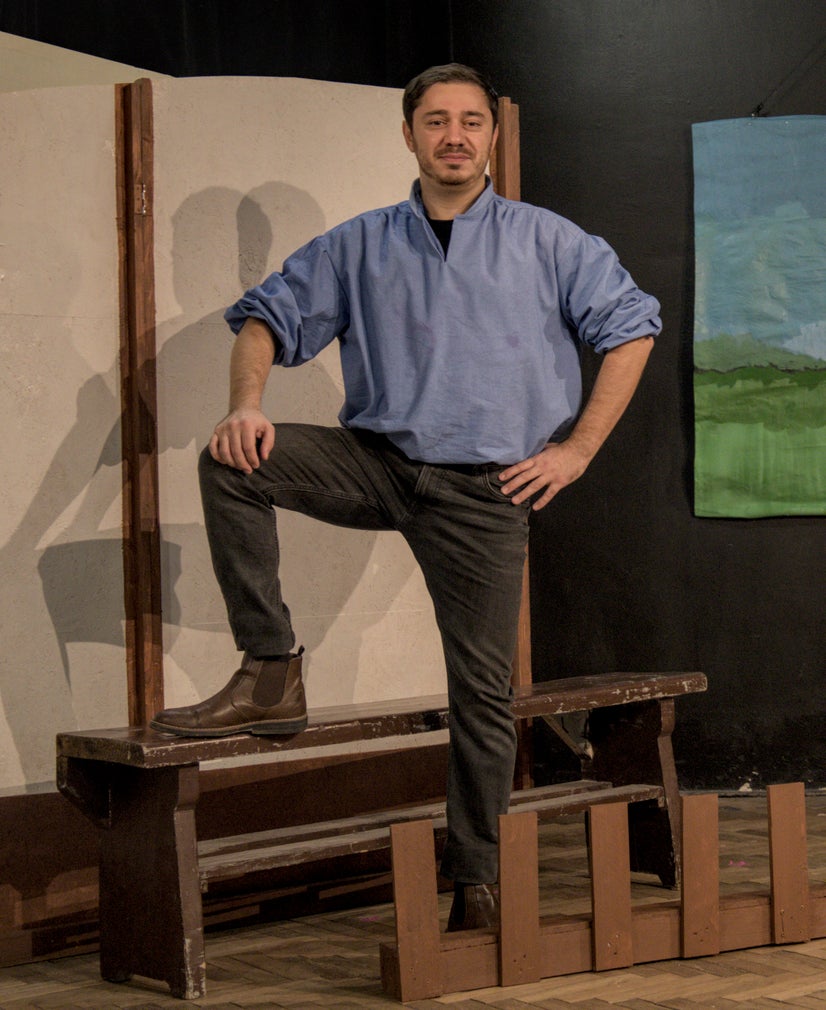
{"type": "Point", "coordinates": [476, 209]}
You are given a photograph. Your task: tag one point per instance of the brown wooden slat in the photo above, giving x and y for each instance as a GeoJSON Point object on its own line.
{"type": "Point", "coordinates": [417, 911]}
{"type": "Point", "coordinates": [789, 862]}
{"type": "Point", "coordinates": [242, 855]}
{"type": "Point", "coordinates": [519, 960]}
{"type": "Point", "coordinates": [610, 886]}
{"type": "Point", "coordinates": [584, 789]}
{"type": "Point", "coordinates": [700, 926]}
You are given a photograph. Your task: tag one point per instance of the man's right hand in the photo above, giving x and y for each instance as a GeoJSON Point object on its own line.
{"type": "Point", "coordinates": [242, 439]}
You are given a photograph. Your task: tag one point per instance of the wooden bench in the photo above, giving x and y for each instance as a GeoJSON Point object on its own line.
{"type": "Point", "coordinates": [141, 788]}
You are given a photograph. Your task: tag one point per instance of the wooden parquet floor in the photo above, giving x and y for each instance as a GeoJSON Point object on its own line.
{"type": "Point", "coordinates": [332, 961]}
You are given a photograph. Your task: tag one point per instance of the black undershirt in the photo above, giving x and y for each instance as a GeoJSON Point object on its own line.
{"type": "Point", "coordinates": [441, 229]}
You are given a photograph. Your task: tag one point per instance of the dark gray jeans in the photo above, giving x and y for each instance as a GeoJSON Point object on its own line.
{"type": "Point", "coordinates": [470, 543]}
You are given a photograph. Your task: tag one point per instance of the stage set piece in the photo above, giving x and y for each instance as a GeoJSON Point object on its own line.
{"type": "Point", "coordinates": [426, 963]}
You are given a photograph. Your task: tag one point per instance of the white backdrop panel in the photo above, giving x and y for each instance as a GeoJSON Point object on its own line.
{"type": "Point", "coordinates": [61, 595]}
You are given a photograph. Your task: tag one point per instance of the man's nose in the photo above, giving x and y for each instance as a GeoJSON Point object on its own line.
{"type": "Point", "coordinates": [455, 133]}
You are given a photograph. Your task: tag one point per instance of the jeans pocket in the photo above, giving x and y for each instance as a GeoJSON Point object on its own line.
{"type": "Point", "coordinates": [493, 486]}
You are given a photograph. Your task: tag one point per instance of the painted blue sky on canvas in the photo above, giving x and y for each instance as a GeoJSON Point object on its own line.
{"type": "Point", "coordinates": [760, 230]}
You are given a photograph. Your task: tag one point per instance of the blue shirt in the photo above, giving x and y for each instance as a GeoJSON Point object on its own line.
{"type": "Point", "coordinates": [465, 358]}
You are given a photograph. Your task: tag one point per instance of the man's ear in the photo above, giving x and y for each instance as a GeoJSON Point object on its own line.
{"type": "Point", "coordinates": [408, 136]}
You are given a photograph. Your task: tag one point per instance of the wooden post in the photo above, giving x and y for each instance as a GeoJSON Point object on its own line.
{"type": "Point", "coordinates": [700, 906]}
{"type": "Point", "coordinates": [789, 863]}
{"type": "Point", "coordinates": [505, 175]}
{"type": "Point", "coordinates": [519, 898]}
{"type": "Point", "coordinates": [141, 520]}
{"type": "Point", "coordinates": [505, 165]}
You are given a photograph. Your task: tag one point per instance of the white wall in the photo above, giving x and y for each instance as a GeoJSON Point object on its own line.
{"type": "Point", "coordinates": [61, 594]}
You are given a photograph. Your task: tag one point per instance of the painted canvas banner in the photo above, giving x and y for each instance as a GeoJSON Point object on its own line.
{"type": "Point", "coordinates": [760, 317]}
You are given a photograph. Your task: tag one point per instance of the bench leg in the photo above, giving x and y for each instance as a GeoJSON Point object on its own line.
{"type": "Point", "coordinates": [151, 921]}
{"type": "Point", "coordinates": [632, 744]}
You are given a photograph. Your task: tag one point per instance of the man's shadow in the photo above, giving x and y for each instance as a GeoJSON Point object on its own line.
{"type": "Point", "coordinates": [321, 566]}
{"type": "Point", "coordinates": [219, 234]}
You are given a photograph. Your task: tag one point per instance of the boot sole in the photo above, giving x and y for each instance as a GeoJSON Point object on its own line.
{"type": "Point", "coordinates": [287, 728]}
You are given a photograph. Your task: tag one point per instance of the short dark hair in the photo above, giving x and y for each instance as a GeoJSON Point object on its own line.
{"type": "Point", "coordinates": [445, 74]}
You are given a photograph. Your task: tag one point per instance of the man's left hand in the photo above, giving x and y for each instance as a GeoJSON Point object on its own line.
{"type": "Point", "coordinates": [555, 467]}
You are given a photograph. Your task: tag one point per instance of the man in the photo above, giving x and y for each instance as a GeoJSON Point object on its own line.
{"type": "Point", "coordinates": [459, 316]}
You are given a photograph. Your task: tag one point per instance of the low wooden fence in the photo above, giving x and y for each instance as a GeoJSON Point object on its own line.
{"type": "Point", "coordinates": [425, 962]}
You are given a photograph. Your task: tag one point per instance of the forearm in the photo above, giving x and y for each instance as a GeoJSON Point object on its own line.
{"type": "Point", "coordinates": [250, 365]}
{"type": "Point", "coordinates": [245, 436]}
{"type": "Point", "coordinates": [616, 381]}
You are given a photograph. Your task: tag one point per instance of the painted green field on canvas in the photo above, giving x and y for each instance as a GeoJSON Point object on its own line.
{"type": "Point", "coordinates": [760, 442]}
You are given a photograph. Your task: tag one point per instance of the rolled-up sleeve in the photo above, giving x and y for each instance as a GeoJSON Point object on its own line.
{"type": "Point", "coordinates": [600, 299]}
{"type": "Point", "coordinates": [303, 305]}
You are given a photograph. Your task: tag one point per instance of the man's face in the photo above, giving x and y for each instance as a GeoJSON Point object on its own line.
{"type": "Point", "coordinates": [452, 134]}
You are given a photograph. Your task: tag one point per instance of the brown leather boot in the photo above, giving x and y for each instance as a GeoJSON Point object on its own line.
{"type": "Point", "coordinates": [475, 906]}
{"type": "Point", "coordinates": [264, 697]}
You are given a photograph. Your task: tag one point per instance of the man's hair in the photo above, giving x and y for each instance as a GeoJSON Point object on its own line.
{"type": "Point", "coordinates": [446, 74]}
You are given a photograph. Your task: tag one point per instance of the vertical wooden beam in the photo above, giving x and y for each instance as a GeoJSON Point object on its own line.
{"type": "Point", "coordinates": [418, 943]}
{"type": "Point", "coordinates": [519, 953]}
{"type": "Point", "coordinates": [700, 906]}
{"type": "Point", "coordinates": [505, 165]}
{"type": "Point", "coordinates": [505, 175]}
{"type": "Point", "coordinates": [611, 886]}
{"type": "Point", "coordinates": [789, 863]}
{"type": "Point", "coordinates": [141, 523]}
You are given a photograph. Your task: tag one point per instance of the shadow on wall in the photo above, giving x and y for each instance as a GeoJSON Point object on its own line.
{"type": "Point", "coordinates": [219, 233]}
{"type": "Point", "coordinates": [69, 531]}
{"type": "Point", "coordinates": [79, 497]}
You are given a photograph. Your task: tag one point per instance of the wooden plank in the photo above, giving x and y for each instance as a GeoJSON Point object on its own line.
{"type": "Point", "coordinates": [745, 921]}
{"type": "Point", "coordinates": [610, 886]}
{"type": "Point", "coordinates": [700, 929]}
{"type": "Point", "coordinates": [602, 690]}
{"type": "Point", "coordinates": [789, 863]}
{"type": "Point", "coordinates": [139, 435]}
{"type": "Point", "coordinates": [351, 723]}
{"type": "Point", "coordinates": [566, 946]}
{"type": "Point", "coordinates": [469, 961]}
{"type": "Point", "coordinates": [656, 932]}
{"type": "Point", "coordinates": [241, 855]}
{"type": "Point", "coordinates": [519, 898]}
{"type": "Point", "coordinates": [417, 911]}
